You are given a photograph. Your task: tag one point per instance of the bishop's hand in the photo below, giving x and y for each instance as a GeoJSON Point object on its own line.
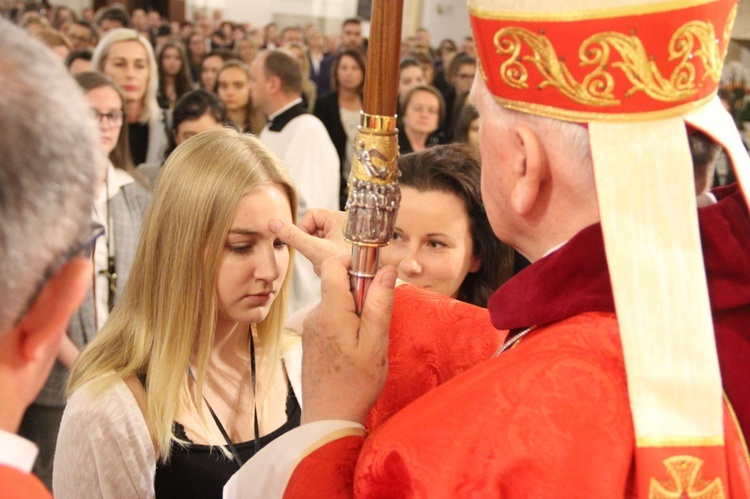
{"type": "Point", "coordinates": [345, 357]}
{"type": "Point", "coordinates": [318, 237]}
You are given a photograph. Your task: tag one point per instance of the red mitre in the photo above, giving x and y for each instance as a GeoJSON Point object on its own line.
{"type": "Point", "coordinates": [615, 63]}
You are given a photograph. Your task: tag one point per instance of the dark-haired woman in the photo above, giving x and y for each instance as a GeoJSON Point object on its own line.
{"type": "Point", "coordinates": [174, 74]}
{"type": "Point", "coordinates": [443, 240]}
{"type": "Point", "coordinates": [339, 110]}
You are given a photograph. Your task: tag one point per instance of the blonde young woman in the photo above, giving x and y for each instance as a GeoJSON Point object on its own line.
{"type": "Point", "coordinates": [186, 380]}
{"type": "Point", "coordinates": [127, 57]}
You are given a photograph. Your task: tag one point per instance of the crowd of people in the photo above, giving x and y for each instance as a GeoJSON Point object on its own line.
{"type": "Point", "coordinates": [153, 84]}
{"type": "Point", "coordinates": [183, 304]}
{"type": "Point", "coordinates": [189, 55]}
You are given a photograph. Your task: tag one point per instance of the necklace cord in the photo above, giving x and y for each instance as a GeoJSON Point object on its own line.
{"type": "Point", "coordinates": [224, 433]}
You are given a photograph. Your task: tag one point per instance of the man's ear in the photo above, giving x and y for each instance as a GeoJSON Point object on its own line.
{"type": "Point", "coordinates": [530, 172]}
{"type": "Point", "coordinates": [47, 318]}
{"type": "Point", "coordinates": [274, 84]}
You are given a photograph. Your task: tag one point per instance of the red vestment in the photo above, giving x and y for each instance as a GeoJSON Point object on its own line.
{"type": "Point", "coordinates": [551, 416]}
{"type": "Point", "coordinates": [14, 483]}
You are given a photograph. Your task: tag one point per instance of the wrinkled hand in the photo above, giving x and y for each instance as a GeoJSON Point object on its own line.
{"type": "Point", "coordinates": [318, 237]}
{"type": "Point", "coordinates": [345, 357]}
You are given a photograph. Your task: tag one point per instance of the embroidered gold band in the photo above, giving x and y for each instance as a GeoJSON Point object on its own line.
{"type": "Point", "coordinates": [609, 69]}
{"type": "Point", "coordinates": [582, 15]}
{"type": "Point", "coordinates": [679, 441]}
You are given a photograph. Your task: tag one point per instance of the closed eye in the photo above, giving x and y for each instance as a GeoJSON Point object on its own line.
{"type": "Point", "coordinates": [240, 248]}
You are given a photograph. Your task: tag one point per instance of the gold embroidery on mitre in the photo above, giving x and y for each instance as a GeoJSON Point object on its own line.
{"type": "Point", "coordinates": [693, 41]}
{"type": "Point", "coordinates": [685, 481]}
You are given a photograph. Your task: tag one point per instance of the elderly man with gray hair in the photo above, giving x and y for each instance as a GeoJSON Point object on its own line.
{"type": "Point", "coordinates": [48, 173]}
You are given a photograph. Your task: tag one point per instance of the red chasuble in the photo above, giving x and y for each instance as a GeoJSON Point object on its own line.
{"type": "Point", "coordinates": [550, 417]}
{"type": "Point", "coordinates": [17, 484]}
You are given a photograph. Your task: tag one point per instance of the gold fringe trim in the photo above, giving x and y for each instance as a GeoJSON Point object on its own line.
{"type": "Point", "coordinates": [584, 15]}
{"type": "Point", "coordinates": [587, 116]}
{"type": "Point", "coordinates": [679, 441]}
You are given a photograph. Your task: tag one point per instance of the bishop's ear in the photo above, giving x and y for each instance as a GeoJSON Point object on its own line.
{"type": "Point", "coordinates": [529, 172]}
{"type": "Point", "coordinates": [46, 320]}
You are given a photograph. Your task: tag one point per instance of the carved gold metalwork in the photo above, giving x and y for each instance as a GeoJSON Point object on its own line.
{"type": "Point", "coordinates": [374, 193]}
{"type": "Point", "coordinates": [375, 157]}
{"type": "Point", "coordinates": [693, 41]}
{"type": "Point", "coordinates": [685, 481]}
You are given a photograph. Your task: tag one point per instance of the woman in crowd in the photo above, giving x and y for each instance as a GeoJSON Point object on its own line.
{"type": "Point", "coordinates": [126, 56]}
{"type": "Point", "coordinates": [233, 90]}
{"type": "Point", "coordinates": [467, 127]}
{"type": "Point", "coordinates": [186, 380]}
{"type": "Point", "coordinates": [223, 37]}
{"type": "Point", "coordinates": [195, 45]}
{"type": "Point", "coordinates": [210, 66]}
{"type": "Point", "coordinates": [443, 240]}
{"type": "Point", "coordinates": [339, 110]}
{"type": "Point", "coordinates": [174, 74]}
{"type": "Point", "coordinates": [427, 63]}
{"type": "Point", "coordinates": [410, 74]}
{"type": "Point", "coordinates": [444, 55]}
{"type": "Point", "coordinates": [316, 52]}
{"type": "Point", "coordinates": [246, 49]}
{"type": "Point", "coordinates": [123, 200]}
{"type": "Point", "coordinates": [423, 112]}
{"type": "Point", "coordinates": [120, 206]}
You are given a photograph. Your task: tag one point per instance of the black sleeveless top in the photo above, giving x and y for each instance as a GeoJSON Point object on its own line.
{"type": "Point", "coordinates": [201, 471]}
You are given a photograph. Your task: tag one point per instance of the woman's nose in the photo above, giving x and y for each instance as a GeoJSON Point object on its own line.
{"type": "Point", "coordinates": [409, 264]}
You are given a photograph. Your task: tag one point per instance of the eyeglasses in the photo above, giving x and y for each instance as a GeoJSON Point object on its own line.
{"type": "Point", "coordinates": [112, 119]}
{"type": "Point", "coordinates": [81, 249]}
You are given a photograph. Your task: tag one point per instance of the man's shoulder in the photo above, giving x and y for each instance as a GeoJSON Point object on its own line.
{"type": "Point", "coordinates": [15, 483]}
{"type": "Point", "coordinates": [306, 124]}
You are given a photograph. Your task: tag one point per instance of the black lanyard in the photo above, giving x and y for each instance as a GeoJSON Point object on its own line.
{"type": "Point", "coordinates": [224, 433]}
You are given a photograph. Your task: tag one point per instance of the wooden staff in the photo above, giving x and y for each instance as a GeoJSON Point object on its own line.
{"type": "Point", "coordinates": [374, 194]}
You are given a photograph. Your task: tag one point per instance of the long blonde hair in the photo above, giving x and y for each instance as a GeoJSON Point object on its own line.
{"type": "Point", "coordinates": [168, 311]}
{"type": "Point", "coordinates": [151, 112]}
